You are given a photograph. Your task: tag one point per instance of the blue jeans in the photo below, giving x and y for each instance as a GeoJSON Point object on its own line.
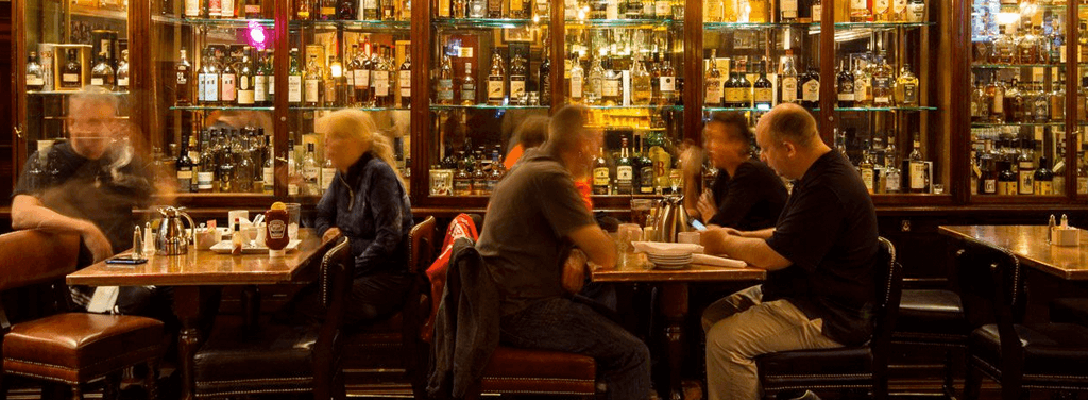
{"type": "Point", "coordinates": [559, 324]}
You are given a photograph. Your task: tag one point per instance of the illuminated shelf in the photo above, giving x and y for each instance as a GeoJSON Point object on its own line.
{"type": "Point", "coordinates": [215, 22]}
{"type": "Point", "coordinates": [621, 23]}
{"type": "Point", "coordinates": [756, 25]}
{"type": "Point", "coordinates": [659, 107]}
{"type": "Point", "coordinates": [487, 23]}
{"type": "Point", "coordinates": [1010, 66]}
{"type": "Point", "coordinates": [67, 92]}
{"type": "Point", "coordinates": [450, 107]}
{"type": "Point", "coordinates": [888, 108]}
{"type": "Point", "coordinates": [882, 25]}
{"type": "Point", "coordinates": [735, 109]}
{"type": "Point", "coordinates": [999, 124]}
{"type": "Point", "coordinates": [221, 108]}
{"type": "Point", "coordinates": [355, 24]}
{"type": "Point", "coordinates": [334, 108]}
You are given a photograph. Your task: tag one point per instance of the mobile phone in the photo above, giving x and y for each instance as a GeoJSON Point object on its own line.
{"type": "Point", "coordinates": [698, 225]}
{"type": "Point", "coordinates": [126, 259]}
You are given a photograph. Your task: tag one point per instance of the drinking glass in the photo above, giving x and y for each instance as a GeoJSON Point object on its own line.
{"type": "Point", "coordinates": [294, 217]}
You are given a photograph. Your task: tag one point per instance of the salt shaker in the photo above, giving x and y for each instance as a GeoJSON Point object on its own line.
{"type": "Point", "coordinates": [137, 242]}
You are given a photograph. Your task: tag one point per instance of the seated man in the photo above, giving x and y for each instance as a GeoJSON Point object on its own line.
{"type": "Point", "coordinates": [819, 258]}
{"type": "Point", "coordinates": [535, 217]}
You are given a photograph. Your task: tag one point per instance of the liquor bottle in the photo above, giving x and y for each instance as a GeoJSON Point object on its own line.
{"type": "Point", "coordinates": [1006, 180]}
{"type": "Point", "coordinates": [477, 9]}
{"type": "Point", "coordinates": [35, 75]}
{"type": "Point", "coordinates": [863, 85]}
{"type": "Point", "coordinates": [743, 87]}
{"type": "Point", "coordinates": [1044, 178]}
{"type": "Point", "coordinates": [595, 82]}
{"type": "Point", "coordinates": [641, 91]}
{"type": "Point", "coordinates": [980, 104]}
{"type": "Point", "coordinates": [252, 9]}
{"type": "Point", "coordinates": [495, 9]}
{"type": "Point", "coordinates": [859, 11]}
{"type": "Point", "coordinates": [123, 73]}
{"type": "Point", "coordinates": [226, 171]}
{"type": "Point", "coordinates": [788, 10]}
{"type": "Point", "coordinates": [893, 177]}
{"type": "Point", "coordinates": [713, 80]}
{"type": "Point", "coordinates": [214, 8]}
{"type": "Point", "coordinates": [496, 81]}
{"type": "Point", "coordinates": [194, 157]}
{"type": "Point", "coordinates": [346, 10]}
{"type": "Point", "coordinates": [1013, 103]}
{"type": "Point", "coordinates": [899, 11]}
{"type": "Point", "coordinates": [788, 80]}
{"type": "Point", "coordinates": [666, 76]}
{"type": "Point", "coordinates": [760, 11]}
{"type": "Point", "coordinates": [246, 92]}
{"type": "Point", "coordinates": [462, 179]}
{"type": "Point", "coordinates": [1026, 169]}
{"type": "Point", "coordinates": [882, 83]}
{"type": "Point", "coordinates": [602, 178]}
{"type": "Point", "coordinates": [730, 91]}
{"type": "Point", "coordinates": [810, 88]}
{"type": "Point", "coordinates": [184, 167]}
{"type": "Point", "coordinates": [497, 171]}
{"type": "Point", "coordinates": [268, 167]}
{"type": "Point", "coordinates": [577, 79]}
{"type": "Point", "coordinates": [624, 171]}
{"type": "Point", "coordinates": [362, 74]}
{"type": "Point", "coordinates": [328, 175]}
{"type": "Point", "coordinates": [243, 168]}
{"type": "Point", "coordinates": [102, 74]}
{"type": "Point", "coordinates": [518, 79]}
{"type": "Point", "coordinates": [404, 79]}
{"type": "Point", "coordinates": [545, 81]}
{"type": "Point", "coordinates": [1027, 46]}
{"type": "Point", "coordinates": [916, 172]}
{"type": "Point", "coordinates": [762, 90]}
{"type": "Point", "coordinates": [294, 80]}
{"type": "Point", "coordinates": [334, 82]}
{"type": "Point", "coordinates": [660, 159]}
{"type": "Point", "coordinates": [645, 169]}
{"type": "Point", "coordinates": [988, 172]}
{"type": "Point", "coordinates": [882, 11]}
{"type": "Point", "coordinates": [325, 9]}
{"type": "Point", "coordinates": [312, 81]}
{"type": "Point", "coordinates": [386, 10]}
{"type": "Point", "coordinates": [1057, 99]}
{"type": "Point", "coordinates": [370, 9]}
{"type": "Point", "coordinates": [310, 172]}
{"type": "Point", "coordinates": [381, 79]}
{"type": "Point", "coordinates": [845, 80]}
{"type": "Point", "coordinates": [519, 8]}
{"type": "Point", "coordinates": [1004, 46]}
{"type": "Point", "coordinates": [468, 87]}
{"type": "Point", "coordinates": [906, 91]}
{"type": "Point", "coordinates": [261, 82]}
{"type": "Point", "coordinates": [193, 8]}
{"type": "Point", "coordinates": [866, 170]}
{"type": "Point", "coordinates": [995, 91]}
{"type": "Point", "coordinates": [612, 85]}
{"type": "Point", "coordinates": [1040, 103]}
{"type": "Point", "coordinates": [228, 93]}
{"type": "Point", "coordinates": [817, 10]}
{"type": "Point", "coordinates": [302, 9]}
{"type": "Point", "coordinates": [662, 9]}
{"type": "Point", "coordinates": [227, 9]}
{"type": "Point", "coordinates": [349, 75]}
{"type": "Point", "coordinates": [206, 174]}
{"type": "Point", "coordinates": [480, 177]}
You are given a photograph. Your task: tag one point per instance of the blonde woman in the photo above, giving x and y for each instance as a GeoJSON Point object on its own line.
{"type": "Point", "coordinates": [368, 203]}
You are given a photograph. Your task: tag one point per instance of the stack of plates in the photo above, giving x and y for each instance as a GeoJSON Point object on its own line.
{"type": "Point", "coordinates": [669, 261]}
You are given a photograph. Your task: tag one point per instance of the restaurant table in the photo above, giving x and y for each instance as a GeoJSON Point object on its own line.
{"type": "Point", "coordinates": [674, 299]}
{"type": "Point", "coordinates": [199, 270]}
{"type": "Point", "coordinates": [1028, 243]}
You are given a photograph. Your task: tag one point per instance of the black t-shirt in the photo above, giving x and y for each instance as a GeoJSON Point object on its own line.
{"type": "Point", "coordinates": [524, 238]}
{"type": "Point", "coordinates": [751, 200]}
{"type": "Point", "coordinates": [828, 231]}
{"type": "Point", "coordinates": [103, 191]}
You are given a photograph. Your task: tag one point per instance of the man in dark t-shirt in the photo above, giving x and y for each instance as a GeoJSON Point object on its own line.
{"type": "Point", "coordinates": [534, 218]}
{"type": "Point", "coordinates": [819, 258]}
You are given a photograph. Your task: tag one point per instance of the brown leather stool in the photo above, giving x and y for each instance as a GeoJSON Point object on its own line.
{"type": "Point", "coordinates": [538, 372]}
{"type": "Point", "coordinates": [69, 348]}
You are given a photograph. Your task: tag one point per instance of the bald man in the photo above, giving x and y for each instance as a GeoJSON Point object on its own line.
{"type": "Point", "coordinates": [819, 259]}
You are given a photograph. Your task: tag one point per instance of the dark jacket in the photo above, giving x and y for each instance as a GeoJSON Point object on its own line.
{"type": "Point", "coordinates": [467, 330]}
{"type": "Point", "coordinates": [371, 207]}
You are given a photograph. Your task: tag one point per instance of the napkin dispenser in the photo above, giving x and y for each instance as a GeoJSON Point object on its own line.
{"type": "Point", "coordinates": [1068, 237]}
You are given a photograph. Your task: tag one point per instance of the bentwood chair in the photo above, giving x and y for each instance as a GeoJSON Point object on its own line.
{"type": "Point", "coordinates": [238, 360]}
{"type": "Point", "coordinates": [1018, 356]}
{"type": "Point", "coordinates": [72, 349]}
{"type": "Point", "coordinates": [861, 368]}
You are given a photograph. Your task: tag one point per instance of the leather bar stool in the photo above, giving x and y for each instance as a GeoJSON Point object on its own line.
{"type": "Point", "coordinates": [68, 348]}
{"type": "Point", "coordinates": [1070, 309]}
{"type": "Point", "coordinates": [846, 368]}
{"type": "Point", "coordinates": [513, 371]}
{"type": "Point", "coordinates": [1018, 356]}
{"type": "Point", "coordinates": [933, 318]}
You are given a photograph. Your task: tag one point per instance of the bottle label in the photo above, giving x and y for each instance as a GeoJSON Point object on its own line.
{"type": "Point", "coordinates": [253, 9]}
{"type": "Point", "coordinates": [327, 176]}
{"type": "Point", "coordinates": [226, 8]}
{"type": "Point", "coordinates": [910, 94]}
{"type": "Point", "coordinates": [97, 81]}
{"type": "Point", "coordinates": [277, 228]}
{"type": "Point", "coordinates": [576, 87]}
{"type": "Point", "coordinates": [1044, 188]}
{"type": "Point", "coordinates": [899, 6]}
{"type": "Point", "coordinates": [213, 7]}
{"type": "Point", "coordinates": [999, 106]}
{"type": "Point", "coordinates": [789, 90]}
{"type": "Point", "coordinates": [313, 87]}
{"type": "Point", "coordinates": [811, 91]}
{"type": "Point", "coordinates": [517, 89]}
{"type": "Point", "coordinates": [624, 174]}
{"type": "Point", "coordinates": [668, 83]}
{"type": "Point", "coordinates": [34, 80]}
{"type": "Point", "coordinates": [662, 9]}
{"type": "Point", "coordinates": [69, 77]}
{"type": "Point", "coordinates": [732, 95]}
{"type": "Point", "coordinates": [646, 176]}
{"type": "Point", "coordinates": [328, 11]}
{"type": "Point", "coordinates": [362, 78]}
{"type": "Point", "coordinates": [192, 8]}
{"type": "Point", "coordinates": [405, 84]}
{"type": "Point", "coordinates": [468, 93]}
{"type": "Point", "coordinates": [817, 11]}
{"type": "Point", "coordinates": [260, 88]}
{"type": "Point", "coordinates": [349, 77]}
{"type": "Point", "coordinates": [244, 83]}
{"type": "Point", "coordinates": [185, 175]}
{"type": "Point", "coordinates": [892, 182]}
{"type": "Point", "coordinates": [917, 175]}
{"type": "Point", "coordinates": [495, 90]}
{"type": "Point", "coordinates": [859, 6]}
{"type": "Point", "coordinates": [268, 176]}
{"type": "Point", "coordinates": [245, 96]}
{"type": "Point", "coordinates": [989, 186]}
{"type": "Point", "coordinates": [204, 180]}
{"type": "Point", "coordinates": [880, 6]}
{"type": "Point", "coordinates": [271, 86]}
{"type": "Point", "coordinates": [610, 88]}
{"type": "Point", "coordinates": [292, 189]}
{"type": "Point", "coordinates": [229, 93]}
{"type": "Point", "coordinates": [294, 89]}
{"type": "Point", "coordinates": [763, 96]}
{"type": "Point", "coordinates": [1082, 185]}
{"type": "Point", "coordinates": [212, 88]}
{"type": "Point", "coordinates": [1027, 180]}
{"type": "Point", "coordinates": [381, 84]}
{"type": "Point", "coordinates": [445, 90]}
{"type": "Point", "coordinates": [789, 9]}
{"type": "Point", "coordinates": [713, 93]}
{"type": "Point", "coordinates": [600, 177]}
{"type": "Point", "coordinates": [867, 178]}
{"type": "Point", "coordinates": [846, 91]}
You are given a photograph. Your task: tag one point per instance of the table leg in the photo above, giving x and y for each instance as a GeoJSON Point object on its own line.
{"type": "Point", "coordinates": [192, 306]}
{"type": "Point", "coordinates": [674, 303]}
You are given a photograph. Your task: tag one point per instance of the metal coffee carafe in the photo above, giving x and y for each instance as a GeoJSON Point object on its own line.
{"type": "Point", "coordinates": [671, 219]}
{"type": "Point", "coordinates": [172, 237]}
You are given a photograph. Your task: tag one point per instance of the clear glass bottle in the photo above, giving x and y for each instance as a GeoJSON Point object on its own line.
{"type": "Point", "coordinates": [640, 83]}
{"type": "Point", "coordinates": [906, 90]}
{"type": "Point", "coordinates": [444, 91]}
{"type": "Point", "coordinates": [123, 75]}
{"type": "Point", "coordinates": [35, 75]}
{"type": "Point", "coordinates": [334, 82]}
{"type": "Point", "coordinates": [102, 74]}
{"type": "Point", "coordinates": [595, 82]}
{"type": "Point", "coordinates": [381, 79]}
{"type": "Point", "coordinates": [1040, 103]}
{"type": "Point", "coordinates": [311, 172]}
{"type": "Point", "coordinates": [228, 88]}
{"type": "Point", "coordinates": [577, 80]}
{"type": "Point", "coordinates": [294, 80]}
{"type": "Point", "coordinates": [315, 76]}
{"type": "Point", "coordinates": [788, 83]}
{"type": "Point", "coordinates": [246, 96]}
{"type": "Point", "coordinates": [612, 85]}
{"type": "Point", "coordinates": [863, 85]}
{"type": "Point", "coordinates": [468, 87]}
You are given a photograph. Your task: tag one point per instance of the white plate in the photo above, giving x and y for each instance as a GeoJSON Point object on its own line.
{"type": "Point", "coordinates": [666, 266]}
{"type": "Point", "coordinates": [227, 246]}
{"type": "Point", "coordinates": [667, 249]}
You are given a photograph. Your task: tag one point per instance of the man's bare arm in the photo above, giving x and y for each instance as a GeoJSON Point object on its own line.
{"type": "Point", "coordinates": [596, 244]}
{"type": "Point", "coordinates": [27, 212]}
{"type": "Point", "coordinates": [751, 250]}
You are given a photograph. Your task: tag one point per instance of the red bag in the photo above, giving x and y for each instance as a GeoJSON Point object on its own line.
{"type": "Point", "coordinates": [461, 226]}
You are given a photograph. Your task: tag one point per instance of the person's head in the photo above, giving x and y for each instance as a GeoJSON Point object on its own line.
{"type": "Point", "coordinates": [570, 141]}
{"type": "Point", "coordinates": [788, 140]}
{"type": "Point", "coordinates": [93, 124]}
{"type": "Point", "coordinates": [351, 133]}
{"type": "Point", "coordinates": [531, 132]}
{"type": "Point", "coordinates": [728, 139]}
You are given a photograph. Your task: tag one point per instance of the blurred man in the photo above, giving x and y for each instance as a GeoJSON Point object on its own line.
{"type": "Point", "coordinates": [535, 218]}
{"type": "Point", "coordinates": [819, 257]}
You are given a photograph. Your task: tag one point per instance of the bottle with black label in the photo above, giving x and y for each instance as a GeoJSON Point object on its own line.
{"type": "Point", "coordinates": [184, 167]}
{"type": "Point", "coordinates": [71, 76]}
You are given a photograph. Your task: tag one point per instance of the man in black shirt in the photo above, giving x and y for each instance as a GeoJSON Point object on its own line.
{"type": "Point", "coordinates": [819, 257]}
{"type": "Point", "coordinates": [747, 195]}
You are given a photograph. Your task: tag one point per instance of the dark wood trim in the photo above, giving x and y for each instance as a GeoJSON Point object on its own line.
{"type": "Point", "coordinates": [959, 111]}
{"type": "Point", "coordinates": [825, 119]}
{"type": "Point", "coordinates": [281, 63]}
{"type": "Point", "coordinates": [558, 43]}
{"type": "Point", "coordinates": [693, 70]}
{"type": "Point", "coordinates": [18, 69]}
{"type": "Point", "coordinates": [419, 115]}
{"type": "Point", "coordinates": [1071, 72]}
{"type": "Point", "coordinates": [141, 66]}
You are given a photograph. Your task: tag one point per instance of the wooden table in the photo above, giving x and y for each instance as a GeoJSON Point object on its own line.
{"type": "Point", "coordinates": [674, 299]}
{"type": "Point", "coordinates": [1029, 244]}
{"type": "Point", "coordinates": [195, 274]}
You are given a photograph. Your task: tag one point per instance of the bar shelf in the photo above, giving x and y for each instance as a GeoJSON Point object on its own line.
{"type": "Point", "coordinates": [486, 23]}
{"type": "Point", "coordinates": [621, 23]}
{"type": "Point", "coordinates": [356, 25]}
{"type": "Point", "coordinates": [451, 107]}
{"type": "Point", "coordinates": [221, 108]}
{"type": "Point", "coordinates": [882, 109]}
{"type": "Point", "coordinates": [735, 109]}
{"type": "Point", "coordinates": [757, 25]}
{"type": "Point", "coordinates": [215, 22]}
{"type": "Point", "coordinates": [999, 124]}
{"type": "Point", "coordinates": [335, 108]}
{"type": "Point", "coordinates": [882, 25]}
{"type": "Point", "coordinates": [1013, 66]}
{"type": "Point", "coordinates": [657, 107]}
{"type": "Point", "coordinates": [69, 92]}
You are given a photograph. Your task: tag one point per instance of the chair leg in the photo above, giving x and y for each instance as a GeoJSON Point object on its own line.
{"type": "Point", "coordinates": [151, 379]}
{"type": "Point", "coordinates": [973, 386]}
{"type": "Point", "coordinates": [949, 386]}
{"type": "Point", "coordinates": [77, 392]}
{"type": "Point", "coordinates": [112, 386]}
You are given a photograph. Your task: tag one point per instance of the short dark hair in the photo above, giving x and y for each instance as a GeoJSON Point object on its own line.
{"type": "Point", "coordinates": [531, 132]}
{"type": "Point", "coordinates": [738, 122]}
{"type": "Point", "coordinates": [566, 128]}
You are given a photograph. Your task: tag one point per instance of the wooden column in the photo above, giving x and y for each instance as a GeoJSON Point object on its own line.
{"type": "Point", "coordinates": [1071, 117]}
{"type": "Point", "coordinates": [826, 117]}
{"type": "Point", "coordinates": [557, 28]}
{"type": "Point", "coordinates": [693, 70]}
{"type": "Point", "coordinates": [959, 111]}
{"type": "Point", "coordinates": [419, 130]}
{"type": "Point", "coordinates": [280, 64]}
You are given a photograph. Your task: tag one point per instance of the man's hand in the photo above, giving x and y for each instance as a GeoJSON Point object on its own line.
{"type": "Point", "coordinates": [707, 208]}
{"type": "Point", "coordinates": [330, 234]}
{"type": "Point", "coordinates": [95, 241]}
{"type": "Point", "coordinates": [713, 239]}
{"type": "Point", "coordinates": [574, 271]}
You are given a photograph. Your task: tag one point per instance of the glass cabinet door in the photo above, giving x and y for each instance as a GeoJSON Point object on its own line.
{"type": "Point", "coordinates": [489, 73]}
{"type": "Point", "coordinates": [1018, 97]}
{"type": "Point", "coordinates": [884, 102]}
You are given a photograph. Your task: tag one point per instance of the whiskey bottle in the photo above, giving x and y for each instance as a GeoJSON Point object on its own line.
{"type": "Point", "coordinates": [326, 10]}
{"type": "Point", "coordinates": [262, 82]}
{"type": "Point", "coordinates": [788, 80]}
{"type": "Point", "coordinates": [602, 179]}
{"type": "Point", "coordinates": [183, 166]}
{"type": "Point", "coordinates": [246, 92]}
{"type": "Point", "coordinates": [641, 91]}
{"type": "Point", "coordinates": [370, 9]}
{"type": "Point", "coordinates": [102, 74]}
{"type": "Point", "coordinates": [328, 175]}
{"type": "Point", "coordinates": [193, 8]}
{"type": "Point", "coordinates": [252, 9]}
{"type": "Point", "coordinates": [1044, 178]}
{"type": "Point", "coordinates": [645, 169]}
{"type": "Point", "coordinates": [386, 10]}
{"type": "Point", "coordinates": [243, 167]}
{"type": "Point", "coordinates": [227, 9]}
{"type": "Point", "coordinates": [863, 85]}
{"type": "Point", "coordinates": [35, 75]}
{"type": "Point", "coordinates": [518, 78]}
{"type": "Point", "coordinates": [612, 85]}
{"type": "Point", "coordinates": [444, 91]}
{"type": "Point", "coordinates": [363, 66]}
{"type": "Point", "coordinates": [381, 79]}
{"type": "Point", "coordinates": [226, 171]}
{"type": "Point", "coordinates": [577, 78]}
{"type": "Point", "coordinates": [302, 9]}
{"type": "Point", "coordinates": [496, 81]}
{"type": "Point", "coordinates": [310, 172]}
{"type": "Point", "coordinates": [202, 81]}
{"type": "Point", "coordinates": [866, 170]}
{"type": "Point", "coordinates": [462, 179]}
{"type": "Point", "coordinates": [743, 87]}
{"type": "Point", "coordinates": [123, 73]}
{"type": "Point", "coordinates": [268, 167]}
{"type": "Point", "coordinates": [713, 80]}
{"type": "Point", "coordinates": [346, 10]}
{"type": "Point", "coordinates": [1026, 168]}
{"type": "Point", "coordinates": [762, 90]}
{"type": "Point", "coordinates": [313, 82]}
{"type": "Point", "coordinates": [334, 82]}
{"type": "Point", "coordinates": [667, 81]}
{"type": "Point", "coordinates": [624, 171]}
{"type": "Point", "coordinates": [810, 88]}
{"type": "Point", "coordinates": [893, 177]}
{"type": "Point", "coordinates": [859, 11]}
{"type": "Point", "coordinates": [545, 80]}
{"type": "Point", "coordinates": [845, 80]}
{"type": "Point", "coordinates": [229, 78]}
{"type": "Point", "coordinates": [595, 83]}
{"type": "Point", "coordinates": [477, 8]}
{"type": "Point", "coordinates": [294, 80]}
{"type": "Point", "coordinates": [917, 171]}
{"type": "Point", "coordinates": [788, 10]}
{"type": "Point", "coordinates": [882, 83]}
{"type": "Point", "coordinates": [519, 8]}
{"type": "Point", "coordinates": [817, 10]}
{"type": "Point", "coordinates": [349, 75]}
{"type": "Point", "coordinates": [480, 178]}
{"type": "Point", "coordinates": [906, 91]}
{"type": "Point", "coordinates": [882, 11]}
{"type": "Point", "coordinates": [1057, 99]}
{"type": "Point", "coordinates": [468, 87]}
{"type": "Point", "coordinates": [404, 79]}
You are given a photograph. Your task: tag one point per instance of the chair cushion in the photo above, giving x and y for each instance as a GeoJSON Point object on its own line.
{"type": "Point", "coordinates": [526, 371]}
{"type": "Point", "coordinates": [1051, 349]}
{"type": "Point", "coordinates": [78, 347]}
{"type": "Point", "coordinates": [271, 357]}
{"type": "Point", "coordinates": [1073, 310]}
{"type": "Point", "coordinates": [931, 314]}
{"type": "Point", "coordinates": [843, 360]}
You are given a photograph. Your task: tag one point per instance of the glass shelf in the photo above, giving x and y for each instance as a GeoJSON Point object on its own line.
{"type": "Point", "coordinates": [450, 107]}
{"type": "Point", "coordinates": [756, 25]}
{"type": "Point", "coordinates": [735, 109]}
{"type": "Point", "coordinates": [335, 108]}
{"type": "Point", "coordinates": [96, 12]}
{"type": "Point", "coordinates": [889, 108]}
{"type": "Point", "coordinates": [215, 22]}
{"type": "Point", "coordinates": [998, 124]}
{"type": "Point", "coordinates": [367, 25]}
{"type": "Point", "coordinates": [882, 25]}
{"type": "Point", "coordinates": [621, 23]}
{"type": "Point", "coordinates": [221, 108]}
{"type": "Point", "coordinates": [1011, 66]}
{"type": "Point", "coordinates": [659, 107]}
{"type": "Point", "coordinates": [66, 92]}
{"type": "Point", "coordinates": [486, 23]}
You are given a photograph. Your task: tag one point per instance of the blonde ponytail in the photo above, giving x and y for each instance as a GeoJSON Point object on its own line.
{"type": "Point", "coordinates": [361, 126]}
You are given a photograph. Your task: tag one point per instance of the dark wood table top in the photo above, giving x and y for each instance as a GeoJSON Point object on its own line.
{"type": "Point", "coordinates": [1029, 243]}
{"type": "Point", "coordinates": [205, 267]}
{"type": "Point", "coordinates": [640, 272]}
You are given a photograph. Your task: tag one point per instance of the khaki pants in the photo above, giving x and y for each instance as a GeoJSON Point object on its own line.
{"type": "Point", "coordinates": [742, 326]}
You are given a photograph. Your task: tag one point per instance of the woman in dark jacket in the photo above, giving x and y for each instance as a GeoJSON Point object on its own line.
{"type": "Point", "coordinates": [368, 203]}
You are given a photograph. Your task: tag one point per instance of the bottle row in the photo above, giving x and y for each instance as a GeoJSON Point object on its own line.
{"type": "Point", "coordinates": [513, 85]}
{"type": "Point", "coordinates": [73, 74]}
{"type": "Point", "coordinates": [623, 81]}
{"type": "Point", "coordinates": [252, 9]}
{"type": "Point", "coordinates": [325, 10]}
{"type": "Point", "coordinates": [467, 172]}
{"type": "Point", "coordinates": [759, 11]}
{"type": "Point", "coordinates": [1012, 101]}
{"type": "Point", "coordinates": [223, 161]}
{"type": "Point", "coordinates": [1008, 164]}
{"type": "Point", "coordinates": [518, 9]}
{"type": "Point", "coordinates": [884, 171]}
{"type": "Point", "coordinates": [1029, 45]}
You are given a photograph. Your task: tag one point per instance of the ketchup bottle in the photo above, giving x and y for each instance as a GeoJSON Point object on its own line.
{"type": "Point", "coordinates": [276, 221]}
